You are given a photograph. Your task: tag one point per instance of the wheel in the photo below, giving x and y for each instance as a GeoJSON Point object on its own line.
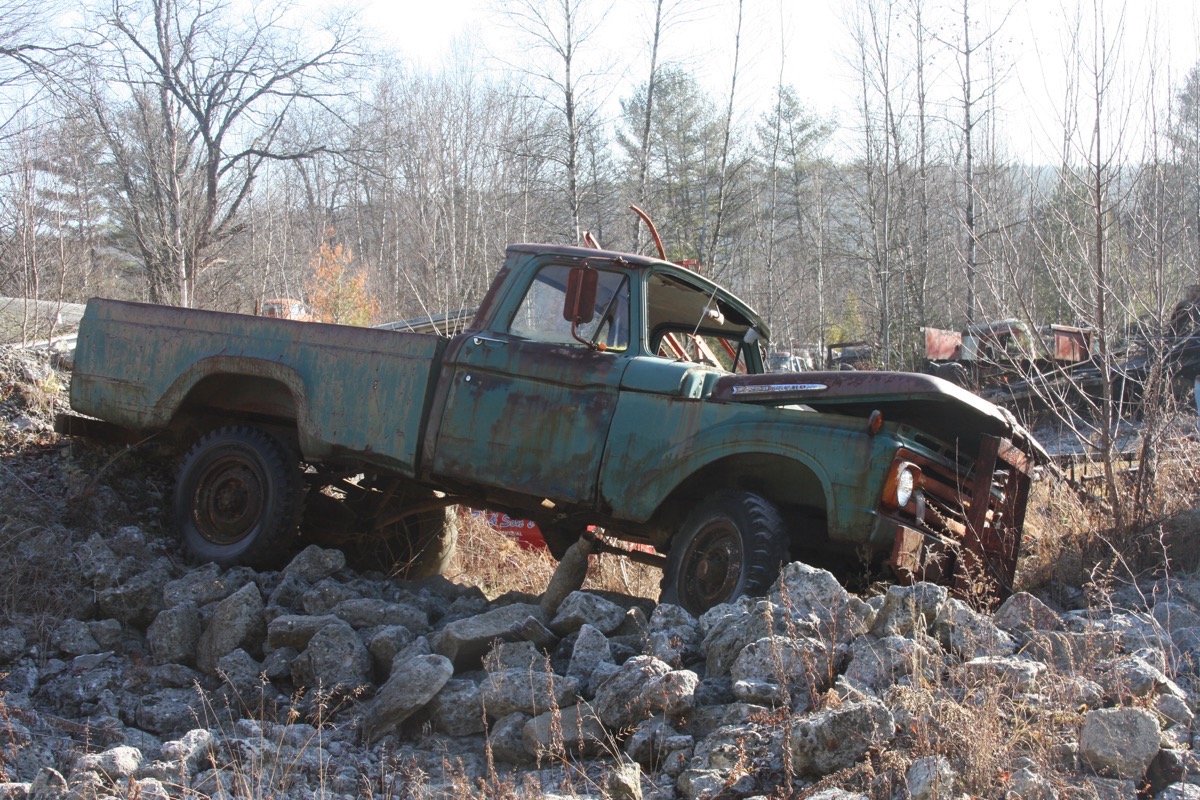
{"type": "Point", "coordinates": [731, 544]}
{"type": "Point", "coordinates": [238, 498]}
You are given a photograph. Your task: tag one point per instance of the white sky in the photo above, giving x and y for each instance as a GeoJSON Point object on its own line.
{"type": "Point", "coordinates": [809, 44]}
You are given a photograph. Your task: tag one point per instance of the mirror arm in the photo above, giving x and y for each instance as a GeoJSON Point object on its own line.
{"type": "Point", "coordinates": [580, 339]}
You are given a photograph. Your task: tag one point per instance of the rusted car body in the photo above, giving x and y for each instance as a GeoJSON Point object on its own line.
{"type": "Point", "coordinates": [651, 415]}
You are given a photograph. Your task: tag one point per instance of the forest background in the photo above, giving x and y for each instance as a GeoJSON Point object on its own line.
{"type": "Point", "coordinates": [216, 154]}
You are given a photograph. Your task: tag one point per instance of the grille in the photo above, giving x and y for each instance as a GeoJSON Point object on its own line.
{"type": "Point", "coordinates": [972, 513]}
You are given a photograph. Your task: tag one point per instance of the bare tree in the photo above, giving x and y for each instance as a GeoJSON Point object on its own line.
{"type": "Point", "coordinates": [205, 99]}
{"type": "Point", "coordinates": [665, 14]}
{"type": "Point", "coordinates": [561, 29]}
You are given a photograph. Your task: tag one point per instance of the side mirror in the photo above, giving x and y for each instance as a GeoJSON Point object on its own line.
{"type": "Point", "coordinates": [579, 306]}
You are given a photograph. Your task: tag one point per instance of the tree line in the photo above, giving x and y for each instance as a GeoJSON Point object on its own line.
{"type": "Point", "coordinates": [201, 153]}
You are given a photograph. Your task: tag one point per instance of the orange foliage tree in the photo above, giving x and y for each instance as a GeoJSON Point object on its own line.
{"type": "Point", "coordinates": [337, 293]}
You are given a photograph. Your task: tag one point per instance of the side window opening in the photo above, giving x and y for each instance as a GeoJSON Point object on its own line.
{"type": "Point", "coordinates": [539, 317]}
{"type": "Point", "coordinates": [688, 324]}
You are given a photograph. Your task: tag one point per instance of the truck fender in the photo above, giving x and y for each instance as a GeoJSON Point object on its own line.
{"type": "Point", "coordinates": [214, 367]}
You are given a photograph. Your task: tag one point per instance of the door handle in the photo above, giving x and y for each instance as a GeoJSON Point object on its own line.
{"type": "Point", "coordinates": [487, 341]}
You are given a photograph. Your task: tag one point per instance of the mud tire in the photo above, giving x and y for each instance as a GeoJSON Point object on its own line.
{"type": "Point", "coordinates": [238, 498]}
{"type": "Point", "coordinates": [732, 544]}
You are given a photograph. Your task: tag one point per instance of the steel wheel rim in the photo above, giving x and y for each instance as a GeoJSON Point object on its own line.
{"type": "Point", "coordinates": [712, 565]}
{"type": "Point", "coordinates": [229, 500]}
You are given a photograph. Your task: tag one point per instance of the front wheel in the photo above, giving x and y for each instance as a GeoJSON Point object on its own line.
{"type": "Point", "coordinates": [238, 498]}
{"type": "Point", "coordinates": [732, 544]}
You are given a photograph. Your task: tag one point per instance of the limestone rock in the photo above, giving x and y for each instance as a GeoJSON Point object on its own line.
{"type": "Point", "coordinates": [175, 634]}
{"type": "Point", "coordinates": [412, 685]}
{"type": "Point", "coordinates": [827, 741]}
{"type": "Point", "coordinates": [237, 622]}
{"type": "Point", "coordinates": [466, 641]}
{"type": "Point", "coordinates": [580, 608]}
{"type": "Point", "coordinates": [533, 693]}
{"type": "Point", "coordinates": [1119, 742]}
{"type": "Point", "coordinates": [335, 660]}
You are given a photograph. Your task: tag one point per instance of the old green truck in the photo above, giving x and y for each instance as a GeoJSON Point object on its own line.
{"type": "Point", "coordinates": [593, 389]}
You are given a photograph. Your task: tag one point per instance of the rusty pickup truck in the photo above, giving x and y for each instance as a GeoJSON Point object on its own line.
{"type": "Point", "coordinates": [593, 388]}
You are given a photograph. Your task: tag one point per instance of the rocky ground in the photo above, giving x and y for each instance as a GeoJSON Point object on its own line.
{"type": "Point", "coordinates": [129, 673]}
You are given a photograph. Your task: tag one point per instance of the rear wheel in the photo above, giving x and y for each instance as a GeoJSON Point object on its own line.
{"type": "Point", "coordinates": [238, 498]}
{"type": "Point", "coordinates": [732, 544]}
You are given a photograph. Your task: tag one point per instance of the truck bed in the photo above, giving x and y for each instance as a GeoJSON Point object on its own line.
{"type": "Point", "coordinates": [357, 392]}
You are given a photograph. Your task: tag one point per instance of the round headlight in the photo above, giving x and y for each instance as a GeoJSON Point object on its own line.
{"type": "Point", "coordinates": [906, 481]}
{"type": "Point", "coordinates": [902, 482]}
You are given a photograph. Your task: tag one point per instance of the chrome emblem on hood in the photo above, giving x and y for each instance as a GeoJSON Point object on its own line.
{"type": "Point", "coordinates": [769, 388]}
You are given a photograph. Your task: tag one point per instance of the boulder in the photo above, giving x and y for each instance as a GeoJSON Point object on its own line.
{"type": "Point", "coordinates": [929, 778]}
{"type": "Point", "coordinates": [236, 622]}
{"type": "Point", "coordinates": [580, 608]}
{"type": "Point", "coordinates": [818, 605]}
{"type": "Point", "coordinates": [506, 739]}
{"type": "Point", "coordinates": [968, 634]}
{"type": "Point", "coordinates": [335, 660]}
{"type": "Point", "coordinates": [642, 687]}
{"type": "Point", "coordinates": [876, 664]}
{"type": "Point", "coordinates": [175, 634]}
{"type": "Point", "coordinates": [1010, 673]}
{"type": "Point", "coordinates": [323, 596]}
{"type": "Point", "coordinates": [313, 564]}
{"type": "Point", "coordinates": [366, 612]}
{"type": "Point", "coordinates": [909, 610]}
{"type": "Point", "coordinates": [571, 731]}
{"type": "Point", "coordinates": [591, 649]}
{"type": "Point", "coordinates": [533, 693]}
{"type": "Point", "coordinates": [1022, 614]}
{"type": "Point", "coordinates": [1119, 742]}
{"type": "Point", "coordinates": [295, 630]}
{"type": "Point", "coordinates": [673, 636]}
{"type": "Point", "coordinates": [803, 665]}
{"type": "Point", "coordinates": [137, 599]}
{"type": "Point", "coordinates": [729, 627]}
{"type": "Point", "coordinates": [466, 641]}
{"type": "Point", "coordinates": [413, 684]}
{"type": "Point", "coordinates": [826, 741]}
{"type": "Point", "coordinates": [457, 709]}
{"type": "Point", "coordinates": [205, 584]}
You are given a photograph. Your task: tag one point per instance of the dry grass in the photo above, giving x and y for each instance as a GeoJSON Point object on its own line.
{"type": "Point", "coordinates": [496, 564]}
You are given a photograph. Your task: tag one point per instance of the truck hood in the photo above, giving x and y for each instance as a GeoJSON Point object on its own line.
{"type": "Point", "coordinates": [929, 404]}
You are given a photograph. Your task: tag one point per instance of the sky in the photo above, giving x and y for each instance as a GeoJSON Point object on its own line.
{"type": "Point", "coordinates": [808, 43]}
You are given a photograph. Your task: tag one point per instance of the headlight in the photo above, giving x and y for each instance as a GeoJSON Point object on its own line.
{"type": "Point", "coordinates": [900, 485]}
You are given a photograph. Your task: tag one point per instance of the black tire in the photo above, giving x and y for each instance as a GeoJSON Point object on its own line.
{"type": "Point", "coordinates": [238, 498]}
{"type": "Point", "coordinates": [732, 544]}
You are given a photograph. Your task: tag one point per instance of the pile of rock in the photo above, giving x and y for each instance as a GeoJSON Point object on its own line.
{"type": "Point", "coordinates": [315, 681]}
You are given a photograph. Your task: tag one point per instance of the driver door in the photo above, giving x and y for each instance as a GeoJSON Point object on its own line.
{"type": "Point", "coordinates": [528, 408]}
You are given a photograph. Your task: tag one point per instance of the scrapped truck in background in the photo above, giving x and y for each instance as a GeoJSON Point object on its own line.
{"type": "Point", "coordinates": [989, 354]}
{"type": "Point", "coordinates": [592, 388]}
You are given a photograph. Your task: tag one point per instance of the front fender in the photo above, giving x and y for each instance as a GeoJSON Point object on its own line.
{"type": "Point", "coordinates": [657, 444]}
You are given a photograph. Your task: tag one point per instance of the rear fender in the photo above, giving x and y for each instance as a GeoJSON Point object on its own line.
{"type": "Point", "coordinates": [240, 385]}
